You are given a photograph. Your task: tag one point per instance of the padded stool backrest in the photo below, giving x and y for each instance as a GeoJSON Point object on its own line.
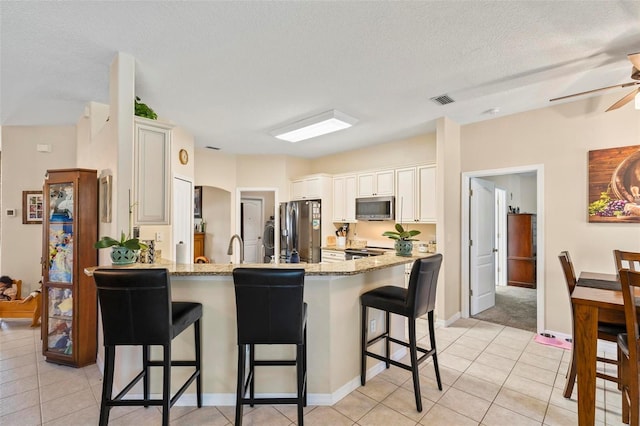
{"type": "Point", "coordinates": [269, 305]}
{"type": "Point", "coordinates": [421, 294]}
{"type": "Point", "coordinates": [135, 306]}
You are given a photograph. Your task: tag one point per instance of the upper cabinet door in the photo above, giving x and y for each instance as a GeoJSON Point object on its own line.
{"type": "Point", "coordinates": [344, 198]}
{"type": "Point", "coordinates": [152, 173]}
{"type": "Point", "coordinates": [385, 183]}
{"type": "Point", "coordinates": [313, 187]}
{"type": "Point", "coordinates": [376, 184]}
{"type": "Point", "coordinates": [427, 194]}
{"type": "Point", "coordinates": [406, 195]}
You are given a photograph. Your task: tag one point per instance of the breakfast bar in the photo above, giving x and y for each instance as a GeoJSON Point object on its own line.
{"type": "Point", "coordinates": [332, 293]}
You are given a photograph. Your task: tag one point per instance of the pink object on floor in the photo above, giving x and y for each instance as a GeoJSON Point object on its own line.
{"type": "Point", "coordinates": [552, 341]}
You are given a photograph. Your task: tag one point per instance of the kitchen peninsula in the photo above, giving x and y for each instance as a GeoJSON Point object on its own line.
{"type": "Point", "coordinates": [332, 293]}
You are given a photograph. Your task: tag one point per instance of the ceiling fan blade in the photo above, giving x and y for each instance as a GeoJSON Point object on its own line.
{"type": "Point", "coordinates": [635, 59]}
{"type": "Point", "coordinates": [595, 90]}
{"type": "Point", "coordinates": [623, 101]}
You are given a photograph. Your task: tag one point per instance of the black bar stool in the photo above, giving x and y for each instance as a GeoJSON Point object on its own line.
{"type": "Point", "coordinates": [137, 310]}
{"type": "Point", "coordinates": [270, 311]}
{"type": "Point", "coordinates": [417, 300]}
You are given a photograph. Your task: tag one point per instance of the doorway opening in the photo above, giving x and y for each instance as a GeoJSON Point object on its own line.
{"type": "Point", "coordinates": [256, 223]}
{"type": "Point", "coordinates": [521, 190]}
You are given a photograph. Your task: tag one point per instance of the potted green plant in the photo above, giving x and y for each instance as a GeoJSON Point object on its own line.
{"type": "Point", "coordinates": [404, 239]}
{"type": "Point", "coordinates": [123, 251]}
{"type": "Point", "coordinates": [143, 110]}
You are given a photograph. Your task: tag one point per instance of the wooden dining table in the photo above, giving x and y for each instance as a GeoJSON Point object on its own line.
{"type": "Point", "coordinates": [597, 297]}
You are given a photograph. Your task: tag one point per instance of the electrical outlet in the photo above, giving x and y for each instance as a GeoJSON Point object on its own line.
{"type": "Point", "coordinates": [372, 326]}
{"type": "Point", "coordinates": [158, 236]}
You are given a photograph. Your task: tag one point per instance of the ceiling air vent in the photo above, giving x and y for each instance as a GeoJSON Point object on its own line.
{"type": "Point", "coordinates": [442, 100]}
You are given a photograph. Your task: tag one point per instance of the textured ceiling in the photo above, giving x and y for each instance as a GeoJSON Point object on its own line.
{"type": "Point", "coordinates": [229, 72]}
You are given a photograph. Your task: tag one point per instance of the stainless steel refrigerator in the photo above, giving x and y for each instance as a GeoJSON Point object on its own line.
{"type": "Point", "coordinates": [300, 230]}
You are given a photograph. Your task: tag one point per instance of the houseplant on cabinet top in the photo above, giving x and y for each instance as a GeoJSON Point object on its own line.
{"type": "Point", "coordinates": [124, 251]}
{"type": "Point", "coordinates": [404, 239]}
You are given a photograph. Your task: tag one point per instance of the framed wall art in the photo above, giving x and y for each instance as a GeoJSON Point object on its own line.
{"type": "Point", "coordinates": [614, 185]}
{"type": "Point", "coordinates": [32, 207]}
{"type": "Point", "coordinates": [197, 202]}
{"type": "Point", "coordinates": [105, 198]}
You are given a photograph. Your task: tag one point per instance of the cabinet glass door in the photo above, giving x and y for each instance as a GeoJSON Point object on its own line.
{"type": "Point", "coordinates": [60, 320]}
{"type": "Point", "coordinates": [59, 293]}
{"type": "Point", "coordinates": [61, 232]}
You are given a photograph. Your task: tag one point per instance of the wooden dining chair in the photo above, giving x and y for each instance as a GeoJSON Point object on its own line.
{"type": "Point", "coordinates": [626, 260]}
{"type": "Point", "coordinates": [628, 349]}
{"type": "Point", "coordinates": [607, 332]}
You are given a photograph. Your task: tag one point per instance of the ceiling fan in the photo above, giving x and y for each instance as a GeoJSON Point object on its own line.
{"type": "Point", "coordinates": [635, 74]}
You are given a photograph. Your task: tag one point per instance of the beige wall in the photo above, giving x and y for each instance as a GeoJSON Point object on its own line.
{"type": "Point", "coordinates": [559, 137]}
{"type": "Point", "coordinates": [448, 232]}
{"type": "Point", "coordinates": [418, 150]}
{"type": "Point", "coordinates": [216, 208]}
{"type": "Point", "coordinates": [23, 169]}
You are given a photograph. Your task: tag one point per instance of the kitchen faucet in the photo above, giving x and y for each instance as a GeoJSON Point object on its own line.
{"type": "Point", "coordinates": [230, 250]}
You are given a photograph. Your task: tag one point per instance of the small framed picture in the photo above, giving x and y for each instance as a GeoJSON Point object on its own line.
{"type": "Point", "coordinates": [197, 202]}
{"type": "Point", "coordinates": [32, 207]}
{"type": "Point", "coordinates": [105, 198]}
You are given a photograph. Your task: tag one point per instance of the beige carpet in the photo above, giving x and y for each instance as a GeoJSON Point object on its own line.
{"type": "Point", "coordinates": [515, 307]}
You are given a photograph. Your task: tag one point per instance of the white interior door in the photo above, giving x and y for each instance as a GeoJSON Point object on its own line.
{"type": "Point", "coordinates": [482, 250]}
{"type": "Point", "coordinates": [182, 214]}
{"type": "Point", "coordinates": [252, 227]}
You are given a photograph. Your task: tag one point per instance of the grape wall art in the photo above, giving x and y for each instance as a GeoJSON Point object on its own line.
{"type": "Point", "coordinates": [614, 184]}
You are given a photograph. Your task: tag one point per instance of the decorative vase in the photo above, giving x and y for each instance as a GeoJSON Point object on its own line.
{"type": "Point", "coordinates": [403, 248]}
{"type": "Point", "coordinates": [123, 256]}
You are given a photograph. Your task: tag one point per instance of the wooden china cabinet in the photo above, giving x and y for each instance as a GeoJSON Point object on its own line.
{"type": "Point", "coordinates": [70, 228]}
{"type": "Point", "coordinates": [521, 250]}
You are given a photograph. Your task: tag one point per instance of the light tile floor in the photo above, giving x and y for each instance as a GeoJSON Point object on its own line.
{"type": "Point", "coordinates": [491, 374]}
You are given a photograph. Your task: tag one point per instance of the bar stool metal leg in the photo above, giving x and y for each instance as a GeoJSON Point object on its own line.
{"type": "Point", "coordinates": [363, 346]}
{"type": "Point", "coordinates": [432, 339]}
{"type": "Point", "coordinates": [413, 354]}
{"type": "Point", "coordinates": [387, 333]}
{"type": "Point", "coordinates": [145, 378]}
{"type": "Point", "coordinates": [301, 385]}
{"type": "Point", "coordinates": [166, 385]}
{"type": "Point", "coordinates": [241, 384]}
{"type": "Point", "coordinates": [197, 335]}
{"type": "Point", "coordinates": [107, 383]}
{"type": "Point", "coordinates": [252, 373]}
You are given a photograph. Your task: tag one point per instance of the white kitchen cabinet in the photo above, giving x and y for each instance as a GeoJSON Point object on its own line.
{"type": "Point", "coordinates": [427, 191]}
{"type": "Point", "coordinates": [344, 198]}
{"type": "Point", "coordinates": [314, 187]}
{"type": "Point", "coordinates": [332, 256]}
{"type": "Point", "coordinates": [416, 194]}
{"type": "Point", "coordinates": [152, 172]}
{"type": "Point", "coordinates": [376, 184]}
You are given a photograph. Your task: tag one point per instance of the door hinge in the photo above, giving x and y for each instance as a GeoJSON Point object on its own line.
{"type": "Point", "coordinates": [470, 192]}
{"type": "Point", "coordinates": [470, 243]}
{"type": "Point", "coordinates": [470, 292]}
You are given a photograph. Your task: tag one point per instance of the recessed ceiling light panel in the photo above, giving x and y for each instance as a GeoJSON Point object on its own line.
{"type": "Point", "coordinates": [321, 124]}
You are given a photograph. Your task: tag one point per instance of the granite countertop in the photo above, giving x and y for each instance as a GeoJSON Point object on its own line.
{"type": "Point", "coordinates": [347, 267]}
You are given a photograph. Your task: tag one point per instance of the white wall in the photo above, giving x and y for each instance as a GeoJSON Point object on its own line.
{"type": "Point", "coordinates": [559, 137]}
{"type": "Point", "coordinates": [520, 188]}
{"type": "Point", "coordinates": [23, 169]}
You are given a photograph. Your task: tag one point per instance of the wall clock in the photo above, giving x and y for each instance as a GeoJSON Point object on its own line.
{"type": "Point", "coordinates": [184, 156]}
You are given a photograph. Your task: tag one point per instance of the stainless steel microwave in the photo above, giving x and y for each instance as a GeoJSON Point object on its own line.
{"type": "Point", "coordinates": [375, 208]}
